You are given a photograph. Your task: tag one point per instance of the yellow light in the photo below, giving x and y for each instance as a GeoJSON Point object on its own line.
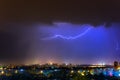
{"type": "Point", "coordinates": [82, 74]}
{"type": "Point", "coordinates": [118, 68]}
{"type": "Point", "coordinates": [83, 70]}
{"type": "Point", "coordinates": [78, 71]}
{"type": "Point", "coordinates": [16, 71]}
{"type": "Point", "coordinates": [92, 73]}
{"type": "Point", "coordinates": [41, 71]}
{"type": "Point", "coordinates": [2, 72]}
{"type": "Point", "coordinates": [72, 71]}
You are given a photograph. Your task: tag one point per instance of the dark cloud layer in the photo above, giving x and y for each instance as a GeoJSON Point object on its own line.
{"type": "Point", "coordinates": [75, 11]}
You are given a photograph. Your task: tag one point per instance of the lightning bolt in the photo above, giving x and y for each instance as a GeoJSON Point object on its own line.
{"type": "Point", "coordinates": [68, 37]}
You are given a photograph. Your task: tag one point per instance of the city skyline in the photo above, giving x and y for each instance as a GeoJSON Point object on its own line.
{"type": "Point", "coordinates": [59, 39]}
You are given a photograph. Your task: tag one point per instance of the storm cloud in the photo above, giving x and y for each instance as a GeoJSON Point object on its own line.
{"type": "Point", "coordinates": [84, 11]}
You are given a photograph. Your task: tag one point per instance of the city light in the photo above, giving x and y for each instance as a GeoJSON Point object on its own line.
{"type": "Point", "coordinates": [2, 72]}
{"type": "Point", "coordinates": [82, 74]}
{"type": "Point", "coordinates": [21, 70]}
{"type": "Point", "coordinates": [46, 70]}
{"type": "Point", "coordinates": [111, 74]}
{"type": "Point", "coordinates": [118, 68]}
{"type": "Point", "coordinates": [16, 71]}
{"type": "Point", "coordinates": [41, 72]}
{"type": "Point", "coordinates": [118, 74]}
{"type": "Point", "coordinates": [101, 64]}
{"type": "Point", "coordinates": [78, 71]}
{"type": "Point", "coordinates": [72, 71]}
{"type": "Point", "coordinates": [51, 63]}
{"type": "Point", "coordinates": [91, 73]}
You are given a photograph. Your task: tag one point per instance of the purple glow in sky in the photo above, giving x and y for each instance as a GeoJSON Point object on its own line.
{"type": "Point", "coordinates": [75, 43]}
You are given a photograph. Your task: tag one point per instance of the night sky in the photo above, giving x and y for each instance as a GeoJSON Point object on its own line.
{"type": "Point", "coordinates": [79, 32]}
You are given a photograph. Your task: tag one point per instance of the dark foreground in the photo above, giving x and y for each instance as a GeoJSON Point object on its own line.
{"type": "Point", "coordinates": [58, 76]}
{"type": "Point", "coordinates": [51, 72]}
